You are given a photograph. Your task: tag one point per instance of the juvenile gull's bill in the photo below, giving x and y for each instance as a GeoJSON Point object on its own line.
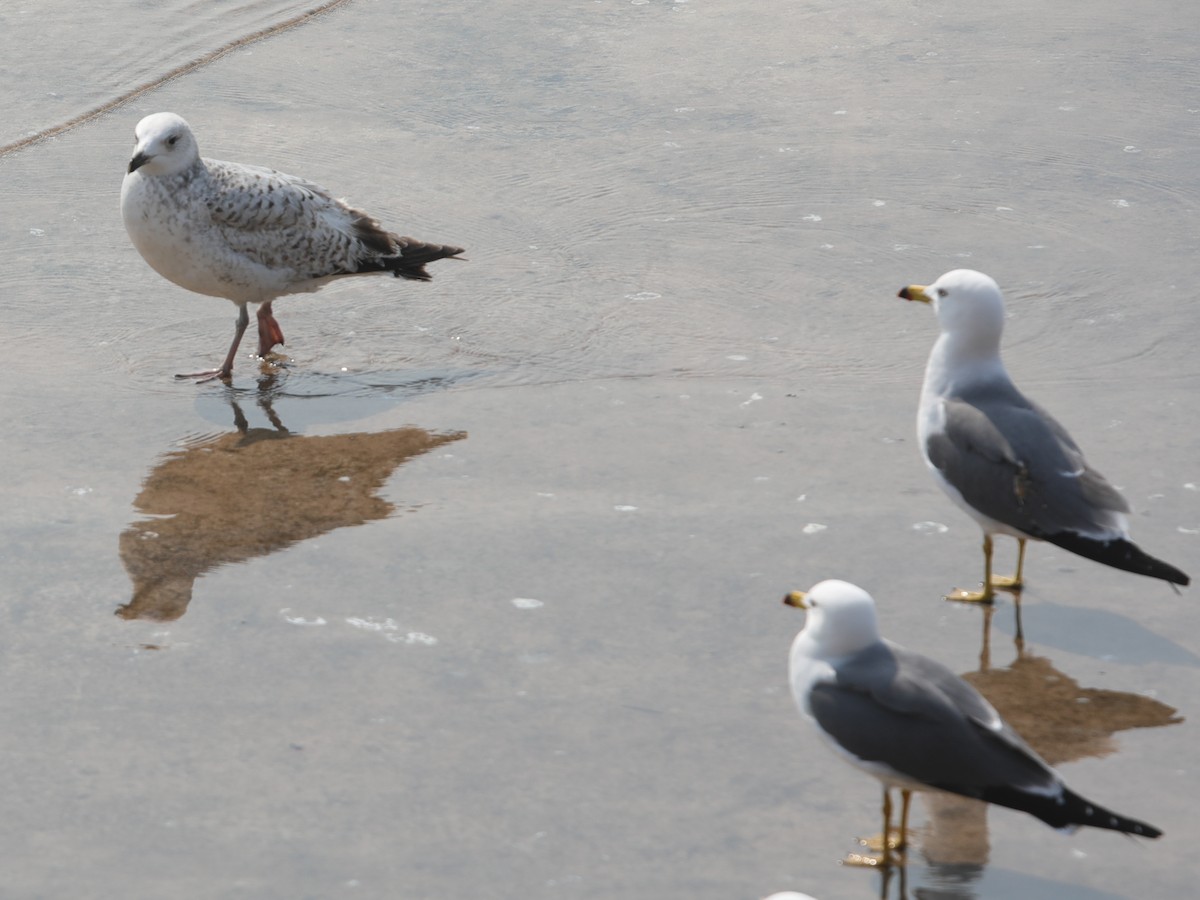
{"type": "Point", "coordinates": [1003, 458]}
{"type": "Point", "coordinates": [249, 234]}
{"type": "Point", "coordinates": [915, 725]}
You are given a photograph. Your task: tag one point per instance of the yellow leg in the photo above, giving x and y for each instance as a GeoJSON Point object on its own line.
{"type": "Point", "coordinates": [988, 592]}
{"type": "Point", "coordinates": [991, 582]}
{"type": "Point", "coordinates": [1013, 583]}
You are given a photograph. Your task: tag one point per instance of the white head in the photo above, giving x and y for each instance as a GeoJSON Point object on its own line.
{"type": "Point", "coordinates": [841, 618]}
{"type": "Point", "coordinates": [164, 145]}
{"type": "Point", "coordinates": [968, 304]}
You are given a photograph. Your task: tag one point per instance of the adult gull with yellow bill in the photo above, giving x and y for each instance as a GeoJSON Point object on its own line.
{"type": "Point", "coordinates": [1003, 458]}
{"type": "Point", "coordinates": [915, 725]}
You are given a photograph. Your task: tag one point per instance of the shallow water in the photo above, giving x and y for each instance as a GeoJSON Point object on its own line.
{"type": "Point", "coordinates": [534, 648]}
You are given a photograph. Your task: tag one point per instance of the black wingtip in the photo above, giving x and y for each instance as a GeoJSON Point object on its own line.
{"type": "Point", "coordinates": [1068, 810]}
{"type": "Point", "coordinates": [1120, 554]}
{"type": "Point", "coordinates": [1088, 813]}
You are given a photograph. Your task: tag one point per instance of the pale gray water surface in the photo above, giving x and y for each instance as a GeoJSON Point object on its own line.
{"type": "Point", "coordinates": [483, 598]}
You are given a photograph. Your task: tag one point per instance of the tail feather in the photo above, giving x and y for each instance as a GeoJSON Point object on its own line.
{"type": "Point", "coordinates": [404, 257]}
{"type": "Point", "coordinates": [408, 257]}
{"type": "Point", "coordinates": [414, 254]}
{"type": "Point", "coordinates": [1067, 811]}
{"type": "Point", "coordinates": [1119, 553]}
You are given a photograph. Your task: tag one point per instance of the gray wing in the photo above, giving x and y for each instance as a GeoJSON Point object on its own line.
{"type": "Point", "coordinates": [912, 714]}
{"type": "Point", "coordinates": [1014, 463]}
{"type": "Point", "coordinates": [285, 222]}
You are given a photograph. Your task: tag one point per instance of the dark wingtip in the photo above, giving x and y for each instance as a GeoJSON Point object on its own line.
{"type": "Point", "coordinates": [1120, 554]}
{"type": "Point", "coordinates": [1147, 831]}
{"type": "Point", "coordinates": [1099, 817]}
{"type": "Point", "coordinates": [1066, 810]}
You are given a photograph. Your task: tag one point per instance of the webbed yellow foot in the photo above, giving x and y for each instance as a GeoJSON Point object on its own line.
{"type": "Point", "coordinates": [1007, 582]}
{"type": "Point", "coordinates": [987, 595]}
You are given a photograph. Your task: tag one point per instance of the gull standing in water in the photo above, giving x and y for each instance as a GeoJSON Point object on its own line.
{"type": "Point", "coordinates": [249, 234]}
{"type": "Point", "coordinates": [915, 725]}
{"type": "Point", "coordinates": [1003, 458]}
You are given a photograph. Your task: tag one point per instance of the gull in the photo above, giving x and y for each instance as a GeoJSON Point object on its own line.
{"type": "Point", "coordinates": [247, 233]}
{"type": "Point", "coordinates": [1003, 458]}
{"type": "Point", "coordinates": [915, 725]}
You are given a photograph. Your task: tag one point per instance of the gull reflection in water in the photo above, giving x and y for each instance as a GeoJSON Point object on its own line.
{"type": "Point", "coordinates": [248, 493]}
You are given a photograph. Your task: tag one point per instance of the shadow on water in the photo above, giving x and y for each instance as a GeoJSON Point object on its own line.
{"type": "Point", "coordinates": [1102, 634]}
{"type": "Point", "coordinates": [1062, 721]}
{"type": "Point", "coordinates": [313, 398]}
{"type": "Point", "coordinates": [250, 492]}
{"type": "Point", "coordinates": [964, 883]}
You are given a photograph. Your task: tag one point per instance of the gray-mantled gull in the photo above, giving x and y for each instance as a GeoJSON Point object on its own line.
{"type": "Point", "coordinates": [1003, 458]}
{"type": "Point", "coordinates": [915, 725]}
{"type": "Point", "coordinates": [249, 234]}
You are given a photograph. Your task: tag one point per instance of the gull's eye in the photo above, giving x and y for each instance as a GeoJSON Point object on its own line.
{"type": "Point", "coordinates": [942, 292]}
{"type": "Point", "coordinates": [172, 140]}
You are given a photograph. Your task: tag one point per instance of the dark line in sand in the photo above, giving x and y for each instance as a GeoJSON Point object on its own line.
{"type": "Point", "coordinates": [187, 67]}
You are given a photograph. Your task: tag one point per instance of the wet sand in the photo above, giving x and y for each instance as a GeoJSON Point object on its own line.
{"type": "Point", "coordinates": [535, 647]}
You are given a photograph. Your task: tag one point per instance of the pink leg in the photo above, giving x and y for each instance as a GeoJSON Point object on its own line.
{"type": "Point", "coordinates": [226, 369]}
{"type": "Point", "coordinates": [269, 332]}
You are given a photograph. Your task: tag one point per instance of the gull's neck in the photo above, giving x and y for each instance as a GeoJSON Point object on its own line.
{"type": "Point", "coordinates": [824, 646]}
{"type": "Point", "coordinates": [957, 361]}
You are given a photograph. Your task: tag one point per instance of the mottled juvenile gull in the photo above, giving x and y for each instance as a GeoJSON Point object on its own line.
{"type": "Point", "coordinates": [249, 234]}
{"type": "Point", "coordinates": [1003, 458]}
{"type": "Point", "coordinates": [914, 724]}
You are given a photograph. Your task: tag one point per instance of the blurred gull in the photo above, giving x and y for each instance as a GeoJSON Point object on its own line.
{"type": "Point", "coordinates": [915, 725]}
{"type": "Point", "coordinates": [1003, 458]}
{"type": "Point", "coordinates": [249, 234]}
